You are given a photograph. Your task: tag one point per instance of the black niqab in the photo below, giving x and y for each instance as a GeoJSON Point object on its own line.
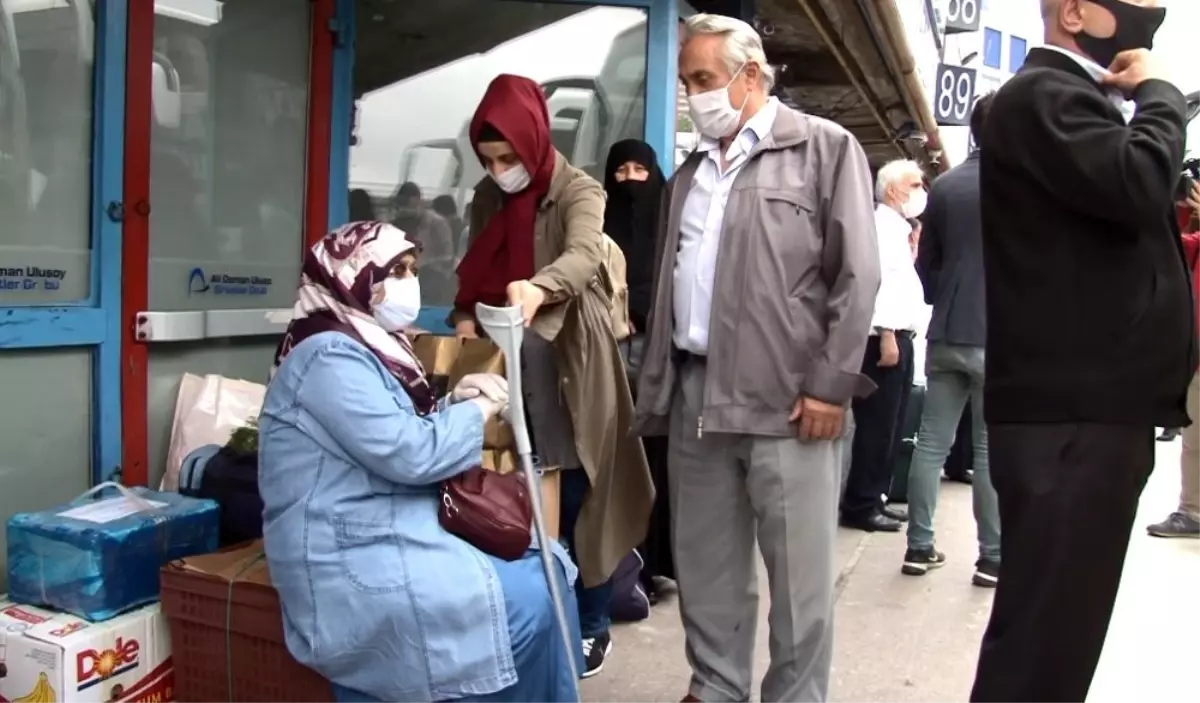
{"type": "Point", "coordinates": [631, 219]}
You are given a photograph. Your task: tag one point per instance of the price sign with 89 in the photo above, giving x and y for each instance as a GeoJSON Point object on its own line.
{"type": "Point", "coordinates": [955, 95]}
{"type": "Point", "coordinates": [962, 16]}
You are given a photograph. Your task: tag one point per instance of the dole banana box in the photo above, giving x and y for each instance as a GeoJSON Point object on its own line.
{"type": "Point", "coordinates": [48, 657]}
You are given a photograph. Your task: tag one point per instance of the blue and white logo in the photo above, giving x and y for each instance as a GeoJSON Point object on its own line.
{"type": "Point", "coordinates": [197, 282]}
{"type": "Point", "coordinates": [226, 284]}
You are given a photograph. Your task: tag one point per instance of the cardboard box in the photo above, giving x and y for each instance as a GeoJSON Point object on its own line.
{"type": "Point", "coordinates": [498, 434]}
{"type": "Point", "coordinates": [447, 359]}
{"type": "Point", "coordinates": [46, 657]}
{"type": "Point", "coordinates": [551, 508]}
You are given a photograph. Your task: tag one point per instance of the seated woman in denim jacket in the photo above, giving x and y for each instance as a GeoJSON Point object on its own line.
{"type": "Point", "coordinates": [376, 596]}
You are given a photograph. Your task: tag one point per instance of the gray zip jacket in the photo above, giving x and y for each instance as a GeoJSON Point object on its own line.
{"type": "Point", "coordinates": [797, 274]}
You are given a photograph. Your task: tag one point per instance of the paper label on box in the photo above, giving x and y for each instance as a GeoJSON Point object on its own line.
{"type": "Point", "coordinates": [103, 511]}
{"type": "Point", "coordinates": [17, 618]}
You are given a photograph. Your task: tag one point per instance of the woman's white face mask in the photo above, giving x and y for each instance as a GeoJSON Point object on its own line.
{"type": "Point", "coordinates": [713, 112]}
{"type": "Point", "coordinates": [514, 180]}
{"type": "Point", "coordinates": [400, 305]}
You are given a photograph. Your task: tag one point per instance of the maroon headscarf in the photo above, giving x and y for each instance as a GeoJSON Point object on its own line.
{"type": "Point", "coordinates": [515, 107]}
{"type": "Point", "coordinates": [340, 276]}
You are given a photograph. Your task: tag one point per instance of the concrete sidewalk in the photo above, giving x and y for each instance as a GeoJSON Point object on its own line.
{"type": "Point", "coordinates": [902, 638]}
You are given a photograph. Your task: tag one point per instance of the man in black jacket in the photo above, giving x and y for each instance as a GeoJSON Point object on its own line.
{"type": "Point", "coordinates": [950, 264]}
{"type": "Point", "coordinates": [1090, 337]}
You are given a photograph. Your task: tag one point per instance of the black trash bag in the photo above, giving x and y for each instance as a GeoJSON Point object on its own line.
{"type": "Point", "coordinates": [629, 600]}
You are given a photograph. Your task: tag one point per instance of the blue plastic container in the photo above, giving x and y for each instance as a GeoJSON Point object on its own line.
{"type": "Point", "coordinates": [99, 555]}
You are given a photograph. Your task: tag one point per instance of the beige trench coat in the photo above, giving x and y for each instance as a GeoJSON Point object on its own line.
{"type": "Point", "coordinates": [577, 319]}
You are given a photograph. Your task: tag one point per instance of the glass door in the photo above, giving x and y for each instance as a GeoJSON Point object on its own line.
{"type": "Point", "coordinates": [226, 104]}
{"type": "Point", "coordinates": [61, 92]}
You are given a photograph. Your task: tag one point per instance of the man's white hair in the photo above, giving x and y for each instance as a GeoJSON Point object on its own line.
{"type": "Point", "coordinates": [742, 43]}
{"type": "Point", "coordinates": [894, 172]}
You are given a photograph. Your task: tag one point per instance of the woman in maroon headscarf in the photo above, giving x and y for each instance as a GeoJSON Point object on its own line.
{"type": "Point", "coordinates": [535, 241]}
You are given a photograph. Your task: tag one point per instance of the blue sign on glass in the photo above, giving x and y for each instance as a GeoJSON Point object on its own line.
{"type": "Point", "coordinates": [200, 283]}
{"type": "Point", "coordinates": [31, 278]}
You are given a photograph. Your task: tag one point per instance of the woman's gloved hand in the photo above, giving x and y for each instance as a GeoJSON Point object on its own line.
{"type": "Point", "coordinates": [490, 408]}
{"type": "Point", "coordinates": [492, 386]}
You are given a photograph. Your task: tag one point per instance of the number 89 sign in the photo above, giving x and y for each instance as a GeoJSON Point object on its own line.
{"type": "Point", "coordinates": [955, 95]}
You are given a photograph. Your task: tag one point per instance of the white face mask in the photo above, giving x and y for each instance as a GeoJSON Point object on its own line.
{"type": "Point", "coordinates": [713, 112]}
{"type": "Point", "coordinates": [400, 305]}
{"type": "Point", "coordinates": [514, 180]}
{"type": "Point", "coordinates": [917, 200]}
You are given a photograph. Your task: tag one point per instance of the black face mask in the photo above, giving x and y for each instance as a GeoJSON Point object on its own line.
{"type": "Point", "coordinates": [1135, 30]}
{"type": "Point", "coordinates": [633, 189]}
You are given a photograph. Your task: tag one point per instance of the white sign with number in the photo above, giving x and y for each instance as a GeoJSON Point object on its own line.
{"type": "Point", "coordinates": [962, 16]}
{"type": "Point", "coordinates": [955, 95]}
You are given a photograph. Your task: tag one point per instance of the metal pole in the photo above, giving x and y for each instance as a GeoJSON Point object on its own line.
{"type": "Point", "coordinates": [506, 328]}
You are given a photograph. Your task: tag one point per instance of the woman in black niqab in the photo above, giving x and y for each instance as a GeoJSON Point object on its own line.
{"type": "Point", "coordinates": [634, 184]}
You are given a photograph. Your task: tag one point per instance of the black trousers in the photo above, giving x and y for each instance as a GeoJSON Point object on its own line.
{"type": "Point", "coordinates": [1068, 496]}
{"type": "Point", "coordinates": [877, 421]}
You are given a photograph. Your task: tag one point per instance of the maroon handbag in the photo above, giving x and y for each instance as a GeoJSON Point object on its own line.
{"type": "Point", "coordinates": [490, 510]}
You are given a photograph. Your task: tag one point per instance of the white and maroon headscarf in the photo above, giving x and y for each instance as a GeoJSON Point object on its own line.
{"type": "Point", "coordinates": [340, 276]}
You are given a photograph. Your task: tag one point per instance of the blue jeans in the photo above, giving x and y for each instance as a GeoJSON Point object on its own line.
{"type": "Point", "coordinates": [955, 375]}
{"type": "Point", "coordinates": [594, 603]}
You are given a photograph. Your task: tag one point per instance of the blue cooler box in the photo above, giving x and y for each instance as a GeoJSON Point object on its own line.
{"type": "Point", "coordinates": [99, 555]}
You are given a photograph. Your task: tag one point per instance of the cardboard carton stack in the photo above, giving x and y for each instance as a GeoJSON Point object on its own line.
{"type": "Point", "coordinates": [82, 623]}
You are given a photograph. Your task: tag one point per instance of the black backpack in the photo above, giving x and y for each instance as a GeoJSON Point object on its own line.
{"type": "Point", "coordinates": [230, 478]}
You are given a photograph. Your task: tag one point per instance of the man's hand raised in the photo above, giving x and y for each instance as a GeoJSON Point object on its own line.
{"type": "Point", "coordinates": [1132, 68]}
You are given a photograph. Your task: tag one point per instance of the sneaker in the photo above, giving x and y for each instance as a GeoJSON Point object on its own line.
{"type": "Point", "coordinates": [918, 562]}
{"type": "Point", "coordinates": [987, 573]}
{"type": "Point", "coordinates": [595, 651]}
{"type": "Point", "coordinates": [1176, 525]}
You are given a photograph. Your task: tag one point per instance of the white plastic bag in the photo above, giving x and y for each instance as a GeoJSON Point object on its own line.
{"type": "Point", "coordinates": [207, 411]}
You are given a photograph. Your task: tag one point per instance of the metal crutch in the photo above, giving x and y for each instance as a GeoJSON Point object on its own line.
{"type": "Point", "coordinates": [506, 328]}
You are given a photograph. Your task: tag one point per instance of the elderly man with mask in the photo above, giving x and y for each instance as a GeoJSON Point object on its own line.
{"type": "Point", "coordinates": [751, 363]}
{"type": "Point", "coordinates": [899, 309]}
{"type": "Point", "coordinates": [1091, 335]}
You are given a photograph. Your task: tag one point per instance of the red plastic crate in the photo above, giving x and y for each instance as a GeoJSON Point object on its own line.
{"type": "Point", "coordinates": [196, 600]}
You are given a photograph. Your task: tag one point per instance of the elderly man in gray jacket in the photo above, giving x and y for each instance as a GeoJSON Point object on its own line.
{"type": "Point", "coordinates": [766, 279]}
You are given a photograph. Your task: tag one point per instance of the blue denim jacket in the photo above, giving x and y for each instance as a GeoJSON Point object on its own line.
{"type": "Point", "coordinates": [376, 595]}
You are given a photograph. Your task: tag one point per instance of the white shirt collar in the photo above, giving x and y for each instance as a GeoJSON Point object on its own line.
{"type": "Point", "coordinates": [1098, 74]}
{"type": "Point", "coordinates": [758, 126]}
{"type": "Point", "coordinates": [897, 220]}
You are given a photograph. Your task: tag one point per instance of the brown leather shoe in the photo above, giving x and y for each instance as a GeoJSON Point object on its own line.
{"type": "Point", "coordinates": [689, 698]}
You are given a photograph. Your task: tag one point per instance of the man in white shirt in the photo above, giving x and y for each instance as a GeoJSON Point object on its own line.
{"type": "Point", "coordinates": [899, 309]}
{"type": "Point", "coordinates": [768, 268]}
